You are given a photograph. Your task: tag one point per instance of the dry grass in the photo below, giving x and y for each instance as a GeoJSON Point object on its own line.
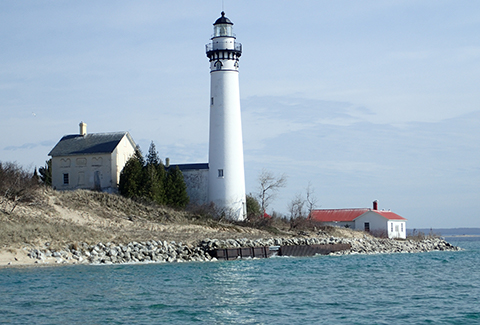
{"type": "Point", "coordinates": [419, 235]}
{"type": "Point", "coordinates": [113, 206]}
{"type": "Point", "coordinates": [85, 216]}
{"type": "Point", "coordinates": [21, 230]}
{"type": "Point", "coordinates": [62, 218]}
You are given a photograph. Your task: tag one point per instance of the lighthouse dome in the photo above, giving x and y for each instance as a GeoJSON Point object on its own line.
{"type": "Point", "coordinates": [223, 20]}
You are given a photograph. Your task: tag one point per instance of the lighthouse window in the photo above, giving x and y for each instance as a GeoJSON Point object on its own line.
{"type": "Point", "coordinates": [218, 65]}
{"type": "Point", "coordinates": [223, 30]}
{"type": "Point", "coordinates": [220, 173]}
{"type": "Point", "coordinates": [211, 101]}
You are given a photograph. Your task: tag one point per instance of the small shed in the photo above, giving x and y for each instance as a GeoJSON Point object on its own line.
{"type": "Point", "coordinates": [370, 220]}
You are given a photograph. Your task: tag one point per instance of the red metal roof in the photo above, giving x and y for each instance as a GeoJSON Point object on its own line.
{"type": "Point", "coordinates": [336, 215]}
{"type": "Point", "coordinates": [345, 215]}
{"type": "Point", "coordinates": [389, 215]}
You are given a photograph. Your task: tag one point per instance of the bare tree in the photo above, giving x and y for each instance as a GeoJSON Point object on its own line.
{"type": "Point", "coordinates": [296, 207]}
{"type": "Point", "coordinates": [16, 185]}
{"type": "Point", "coordinates": [269, 186]}
{"type": "Point", "coordinates": [311, 200]}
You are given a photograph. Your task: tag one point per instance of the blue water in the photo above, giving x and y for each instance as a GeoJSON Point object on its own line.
{"type": "Point", "coordinates": [425, 288]}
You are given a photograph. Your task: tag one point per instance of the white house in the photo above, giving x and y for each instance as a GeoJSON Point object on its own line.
{"type": "Point", "coordinates": [369, 220]}
{"type": "Point", "coordinates": [90, 161]}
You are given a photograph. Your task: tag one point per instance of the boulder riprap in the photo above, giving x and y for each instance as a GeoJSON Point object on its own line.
{"type": "Point", "coordinates": [369, 245]}
{"type": "Point", "coordinates": [162, 251]}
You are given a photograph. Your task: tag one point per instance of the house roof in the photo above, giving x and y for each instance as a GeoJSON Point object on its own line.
{"type": "Point", "coordinates": [196, 166]}
{"type": "Point", "coordinates": [389, 215]}
{"type": "Point", "coordinates": [337, 215]}
{"type": "Point", "coordinates": [348, 215]}
{"type": "Point", "coordinates": [93, 143]}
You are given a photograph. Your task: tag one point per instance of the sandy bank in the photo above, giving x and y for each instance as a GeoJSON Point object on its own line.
{"type": "Point", "coordinates": [82, 226]}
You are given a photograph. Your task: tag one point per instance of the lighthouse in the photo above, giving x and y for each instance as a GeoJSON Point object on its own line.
{"type": "Point", "coordinates": [226, 174]}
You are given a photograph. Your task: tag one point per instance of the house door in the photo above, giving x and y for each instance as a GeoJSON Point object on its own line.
{"type": "Point", "coordinates": [97, 183]}
{"type": "Point", "coordinates": [367, 226]}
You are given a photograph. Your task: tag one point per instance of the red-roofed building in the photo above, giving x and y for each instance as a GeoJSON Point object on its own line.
{"type": "Point", "coordinates": [370, 220]}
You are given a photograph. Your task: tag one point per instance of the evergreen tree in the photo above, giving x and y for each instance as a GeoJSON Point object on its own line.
{"type": "Point", "coordinates": [139, 156]}
{"type": "Point", "coordinates": [46, 173]}
{"type": "Point", "coordinates": [35, 176]}
{"type": "Point", "coordinates": [152, 156]}
{"type": "Point", "coordinates": [161, 177]}
{"type": "Point", "coordinates": [152, 184]}
{"type": "Point", "coordinates": [148, 179]}
{"type": "Point", "coordinates": [153, 177]}
{"type": "Point", "coordinates": [130, 184]}
{"type": "Point", "coordinates": [175, 189]}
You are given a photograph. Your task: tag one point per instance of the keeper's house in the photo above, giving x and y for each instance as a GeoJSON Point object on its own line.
{"type": "Point", "coordinates": [369, 220]}
{"type": "Point", "coordinates": [90, 161]}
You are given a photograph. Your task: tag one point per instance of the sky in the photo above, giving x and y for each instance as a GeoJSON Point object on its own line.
{"type": "Point", "coordinates": [363, 100]}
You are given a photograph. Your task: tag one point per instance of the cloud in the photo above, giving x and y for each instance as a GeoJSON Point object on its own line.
{"type": "Point", "coordinates": [23, 146]}
{"type": "Point", "coordinates": [353, 162]}
{"type": "Point", "coordinates": [27, 146]}
{"type": "Point", "coordinates": [269, 117]}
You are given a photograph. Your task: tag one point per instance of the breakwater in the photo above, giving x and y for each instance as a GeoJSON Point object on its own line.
{"type": "Point", "coordinates": [162, 251]}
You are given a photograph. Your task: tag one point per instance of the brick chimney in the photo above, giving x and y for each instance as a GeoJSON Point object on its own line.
{"type": "Point", "coordinates": [83, 128]}
{"type": "Point", "coordinates": [375, 205]}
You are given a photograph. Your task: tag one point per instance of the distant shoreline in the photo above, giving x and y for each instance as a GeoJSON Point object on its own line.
{"type": "Point", "coordinates": [478, 235]}
{"type": "Point", "coordinates": [447, 232]}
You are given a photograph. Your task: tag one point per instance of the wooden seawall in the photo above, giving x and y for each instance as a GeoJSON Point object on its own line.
{"type": "Point", "coordinates": [269, 251]}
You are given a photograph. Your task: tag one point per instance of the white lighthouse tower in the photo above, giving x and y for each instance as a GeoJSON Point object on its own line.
{"type": "Point", "coordinates": [226, 176]}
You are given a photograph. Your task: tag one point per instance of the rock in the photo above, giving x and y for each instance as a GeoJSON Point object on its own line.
{"type": "Point", "coordinates": [162, 251]}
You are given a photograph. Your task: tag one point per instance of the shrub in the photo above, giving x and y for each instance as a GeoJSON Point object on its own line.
{"type": "Point", "coordinates": [379, 233]}
{"type": "Point", "coordinates": [46, 173]}
{"type": "Point", "coordinates": [16, 185]}
{"type": "Point", "coordinates": [253, 207]}
{"type": "Point", "coordinates": [420, 235]}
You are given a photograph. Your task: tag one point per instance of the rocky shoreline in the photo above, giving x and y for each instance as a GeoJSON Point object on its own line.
{"type": "Point", "coordinates": [164, 252]}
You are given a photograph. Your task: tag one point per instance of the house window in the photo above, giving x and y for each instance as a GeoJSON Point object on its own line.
{"type": "Point", "coordinates": [220, 173]}
{"type": "Point", "coordinates": [401, 226]}
{"type": "Point", "coordinates": [367, 226]}
{"type": "Point", "coordinates": [81, 178]}
{"type": "Point", "coordinates": [391, 228]}
{"type": "Point", "coordinates": [65, 179]}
